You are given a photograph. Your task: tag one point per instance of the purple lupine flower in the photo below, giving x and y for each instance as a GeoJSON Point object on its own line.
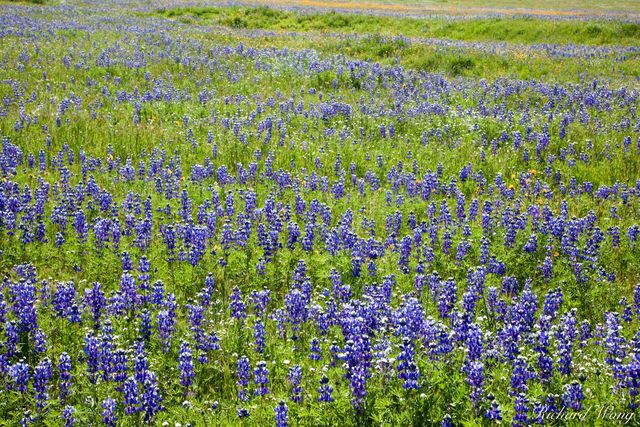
{"type": "Point", "coordinates": [474, 343]}
{"type": "Point", "coordinates": [145, 325]}
{"type": "Point", "coordinates": [80, 225]}
{"type": "Point", "coordinates": [206, 295]}
{"type": "Point", "coordinates": [493, 413]}
{"type": "Point", "coordinates": [573, 396]}
{"type": "Point", "coordinates": [632, 382]}
{"type": "Point", "coordinates": [64, 375]}
{"type": "Point", "coordinates": [357, 381]}
{"type": "Point", "coordinates": [131, 396]}
{"type": "Point", "coordinates": [532, 244]}
{"type": "Point", "coordinates": [129, 291]}
{"type": "Point", "coordinates": [238, 309]}
{"type": "Point", "coordinates": [484, 250]}
{"type": "Point", "coordinates": [261, 379]}
{"type": "Point", "coordinates": [20, 376]}
{"type": "Point", "coordinates": [140, 363]}
{"type": "Point", "coordinates": [614, 232]}
{"type": "Point", "coordinates": [185, 365]}
{"type": "Point", "coordinates": [636, 299]}
{"type": "Point", "coordinates": [475, 378]}
{"type": "Point", "coordinates": [119, 368]}
{"type": "Point", "coordinates": [405, 253]}
{"type": "Point", "coordinates": [42, 375]}
{"type": "Point", "coordinates": [614, 345]}
{"type": "Point", "coordinates": [325, 390]}
{"type": "Point", "coordinates": [295, 378]}
{"type": "Point", "coordinates": [447, 297]}
{"type": "Point", "coordinates": [12, 338]}
{"type": "Point", "coordinates": [585, 333]}
{"type": "Point", "coordinates": [196, 317]}
{"type": "Point", "coordinates": [39, 341]}
{"type": "Point", "coordinates": [552, 303]}
{"type": "Point", "coordinates": [315, 351]}
{"type": "Point", "coordinates": [259, 336]}
{"type": "Point", "coordinates": [547, 268]}
{"type": "Point", "coordinates": [151, 397]}
{"type": "Point", "coordinates": [106, 350]}
{"type": "Point", "coordinates": [565, 338]}
{"type": "Point", "coordinates": [260, 300]}
{"type": "Point", "coordinates": [166, 327]}
{"type": "Point", "coordinates": [92, 353]}
{"type": "Point", "coordinates": [544, 362]}
{"type": "Point", "coordinates": [94, 297]}
{"type": "Point", "coordinates": [109, 408]}
{"type": "Point", "coordinates": [522, 373]}
{"type": "Point", "coordinates": [407, 368]}
{"type": "Point", "coordinates": [281, 414]}
{"type": "Point", "coordinates": [23, 295]}
{"type": "Point", "coordinates": [627, 312]}
{"type": "Point", "coordinates": [261, 267]}
{"type": "Point", "coordinates": [157, 293]}
{"type": "Point", "coordinates": [297, 310]}
{"type": "Point", "coordinates": [447, 241]}
{"type": "Point", "coordinates": [244, 374]}
{"type": "Point", "coordinates": [462, 249]}
{"type": "Point", "coordinates": [522, 409]}
{"type": "Point", "coordinates": [68, 416]}
{"type": "Point", "coordinates": [144, 268]}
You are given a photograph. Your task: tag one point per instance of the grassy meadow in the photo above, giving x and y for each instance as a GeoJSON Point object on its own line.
{"type": "Point", "coordinates": [296, 216]}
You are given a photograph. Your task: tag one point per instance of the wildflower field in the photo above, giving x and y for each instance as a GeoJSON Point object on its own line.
{"type": "Point", "coordinates": [241, 215]}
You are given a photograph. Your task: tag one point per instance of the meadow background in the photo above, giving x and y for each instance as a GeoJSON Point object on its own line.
{"type": "Point", "coordinates": [318, 213]}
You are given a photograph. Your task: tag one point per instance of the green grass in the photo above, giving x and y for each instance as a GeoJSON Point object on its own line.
{"type": "Point", "coordinates": [251, 81]}
{"type": "Point", "coordinates": [24, 1]}
{"type": "Point", "coordinates": [462, 6]}
{"type": "Point", "coordinates": [377, 40]}
{"type": "Point", "coordinates": [512, 62]}
{"type": "Point", "coordinates": [514, 30]}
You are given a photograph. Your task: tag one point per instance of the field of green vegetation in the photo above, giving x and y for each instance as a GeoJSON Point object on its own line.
{"type": "Point", "coordinates": [510, 29]}
{"type": "Point", "coordinates": [461, 7]}
{"type": "Point", "coordinates": [294, 216]}
{"type": "Point", "coordinates": [527, 52]}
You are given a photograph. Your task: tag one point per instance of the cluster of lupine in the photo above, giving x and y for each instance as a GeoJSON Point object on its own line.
{"type": "Point", "coordinates": [193, 231]}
